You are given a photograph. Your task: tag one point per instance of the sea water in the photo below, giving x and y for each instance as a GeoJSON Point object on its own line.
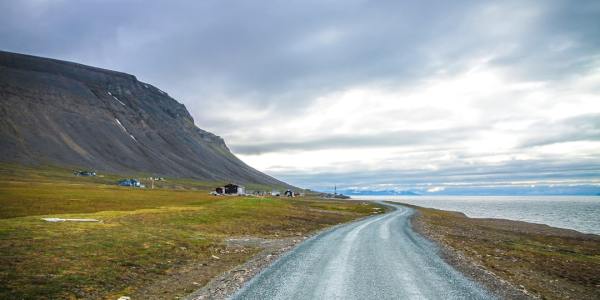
{"type": "Point", "coordinates": [581, 213]}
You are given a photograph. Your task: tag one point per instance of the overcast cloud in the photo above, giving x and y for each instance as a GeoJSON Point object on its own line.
{"type": "Point", "coordinates": [362, 94]}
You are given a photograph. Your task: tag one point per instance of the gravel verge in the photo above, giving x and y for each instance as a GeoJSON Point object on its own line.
{"type": "Point", "coordinates": [498, 286]}
{"type": "Point", "coordinates": [229, 282]}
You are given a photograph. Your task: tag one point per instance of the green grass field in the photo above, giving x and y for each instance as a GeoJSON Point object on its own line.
{"type": "Point", "coordinates": [144, 235]}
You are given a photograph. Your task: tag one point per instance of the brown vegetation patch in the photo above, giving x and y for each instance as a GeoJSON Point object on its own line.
{"type": "Point", "coordinates": [547, 262]}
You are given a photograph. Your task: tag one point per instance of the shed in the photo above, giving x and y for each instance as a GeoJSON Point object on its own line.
{"type": "Point", "coordinates": [85, 173]}
{"type": "Point", "coordinates": [233, 189]}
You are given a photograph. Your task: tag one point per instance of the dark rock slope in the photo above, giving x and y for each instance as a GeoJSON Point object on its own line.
{"type": "Point", "coordinates": [65, 113]}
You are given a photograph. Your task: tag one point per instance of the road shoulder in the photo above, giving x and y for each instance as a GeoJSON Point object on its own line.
{"type": "Point", "coordinates": [515, 260]}
{"type": "Point", "coordinates": [226, 284]}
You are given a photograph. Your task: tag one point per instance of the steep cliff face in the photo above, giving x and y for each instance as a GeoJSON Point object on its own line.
{"type": "Point", "coordinates": [60, 112]}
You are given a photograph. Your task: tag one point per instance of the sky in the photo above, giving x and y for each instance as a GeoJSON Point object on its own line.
{"type": "Point", "coordinates": [428, 96]}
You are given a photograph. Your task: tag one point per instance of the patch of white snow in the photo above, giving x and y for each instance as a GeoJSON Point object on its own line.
{"type": "Point", "coordinates": [56, 220]}
{"type": "Point", "coordinates": [121, 125]}
{"type": "Point", "coordinates": [125, 129]}
{"type": "Point", "coordinates": [117, 99]}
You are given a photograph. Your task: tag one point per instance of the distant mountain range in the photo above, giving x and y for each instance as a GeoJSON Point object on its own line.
{"type": "Point", "coordinates": [58, 112]}
{"type": "Point", "coordinates": [379, 193]}
{"type": "Point", "coordinates": [540, 190]}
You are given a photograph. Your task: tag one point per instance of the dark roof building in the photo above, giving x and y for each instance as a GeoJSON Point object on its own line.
{"type": "Point", "coordinates": [231, 189]}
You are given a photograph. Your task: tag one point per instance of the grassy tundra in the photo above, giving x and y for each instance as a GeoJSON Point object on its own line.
{"type": "Point", "coordinates": [144, 236]}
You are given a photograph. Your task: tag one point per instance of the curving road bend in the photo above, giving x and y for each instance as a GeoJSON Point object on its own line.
{"type": "Point", "coordinates": [376, 258]}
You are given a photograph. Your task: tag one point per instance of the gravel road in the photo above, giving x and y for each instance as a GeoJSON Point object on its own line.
{"type": "Point", "coordinates": [376, 258]}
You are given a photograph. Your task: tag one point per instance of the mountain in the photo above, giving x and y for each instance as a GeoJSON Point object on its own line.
{"type": "Point", "coordinates": [58, 112]}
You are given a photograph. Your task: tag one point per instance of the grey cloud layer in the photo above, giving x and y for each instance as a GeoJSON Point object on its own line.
{"type": "Point", "coordinates": [265, 51]}
{"type": "Point", "coordinates": [383, 139]}
{"type": "Point", "coordinates": [584, 127]}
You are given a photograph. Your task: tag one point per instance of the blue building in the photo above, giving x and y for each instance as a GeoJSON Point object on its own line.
{"type": "Point", "coordinates": [131, 182]}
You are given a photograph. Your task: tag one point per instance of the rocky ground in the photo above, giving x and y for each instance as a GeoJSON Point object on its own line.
{"type": "Point", "coordinates": [516, 260]}
{"type": "Point", "coordinates": [475, 271]}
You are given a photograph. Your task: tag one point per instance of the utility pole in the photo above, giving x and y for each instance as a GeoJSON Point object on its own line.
{"type": "Point", "coordinates": [335, 190]}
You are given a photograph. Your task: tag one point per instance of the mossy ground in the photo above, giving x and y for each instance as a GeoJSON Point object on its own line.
{"type": "Point", "coordinates": [144, 235]}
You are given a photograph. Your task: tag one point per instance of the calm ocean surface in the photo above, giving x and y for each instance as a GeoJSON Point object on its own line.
{"type": "Point", "coordinates": [581, 213]}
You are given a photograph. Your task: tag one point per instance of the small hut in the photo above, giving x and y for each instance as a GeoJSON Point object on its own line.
{"type": "Point", "coordinates": [85, 173]}
{"type": "Point", "coordinates": [231, 189]}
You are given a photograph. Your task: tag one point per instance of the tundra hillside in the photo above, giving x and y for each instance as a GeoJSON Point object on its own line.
{"type": "Point", "coordinates": [546, 262]}
{"type": "Point", "coordinates": [175, 234]}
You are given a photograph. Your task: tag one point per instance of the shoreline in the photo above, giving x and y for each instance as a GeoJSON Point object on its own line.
{"type": "Point", "coordinates": [553, 210]}
{"type": "Point", "coordinates": [515, 259]}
